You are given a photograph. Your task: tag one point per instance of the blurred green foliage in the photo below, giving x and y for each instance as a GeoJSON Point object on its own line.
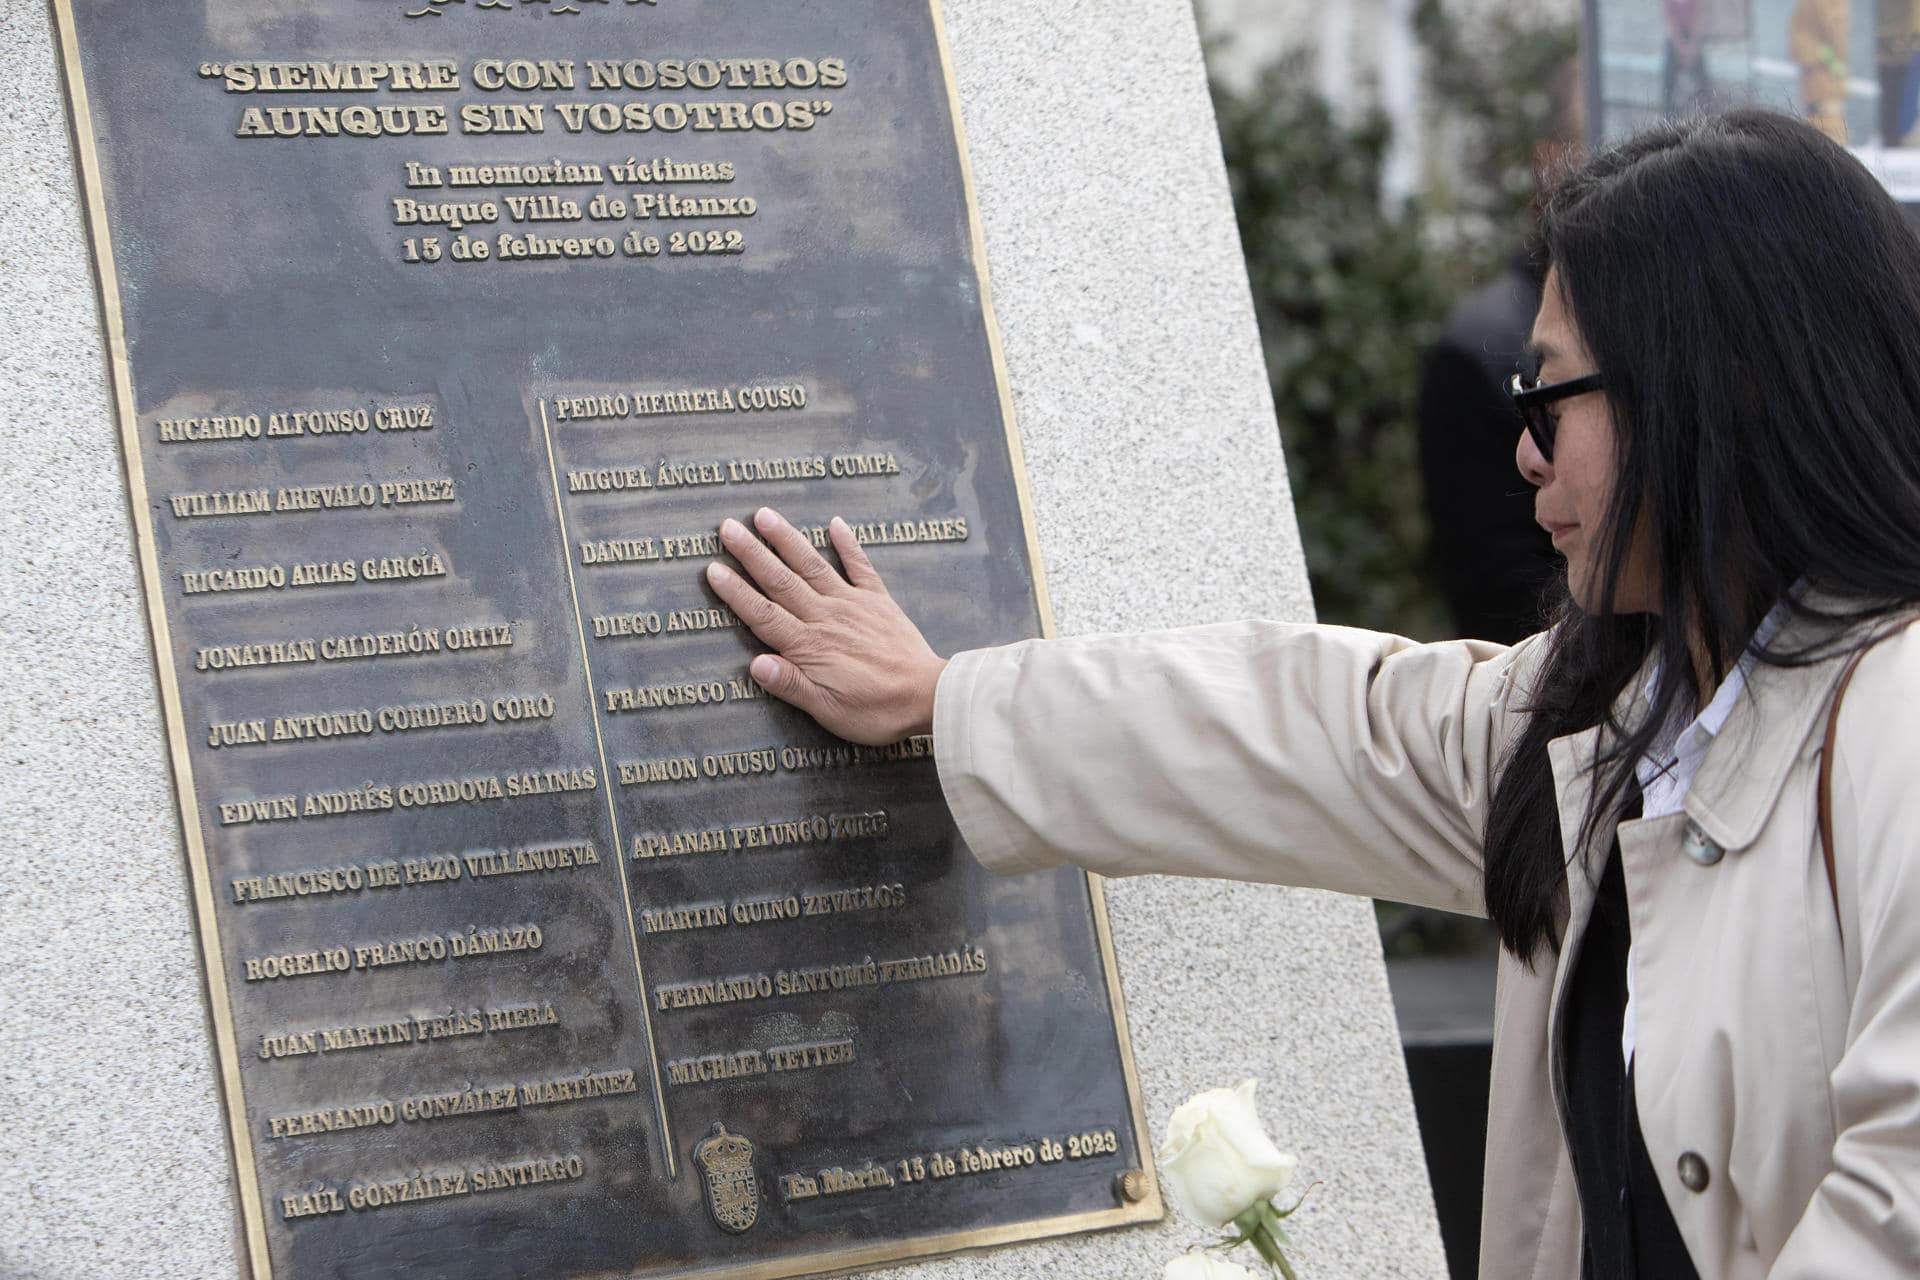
{"type": "Point", "coordinates": [1348, 296]}
{"type": "Point", "coordinates": [1349, 292]}
{"type": "Point", "coordinates": [1504, 83]}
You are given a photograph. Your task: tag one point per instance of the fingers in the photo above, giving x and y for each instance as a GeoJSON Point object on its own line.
{"type": "Point", "coordinates": [771, 574]}
{"type": "Point", "coordinates": [798, 552]}
{"type": "Point", "coordinates": [786, 682]}
{"type": "Point", "coordinates": [767, 620]}
{"type": "Point", "coordinates": [860, 570]}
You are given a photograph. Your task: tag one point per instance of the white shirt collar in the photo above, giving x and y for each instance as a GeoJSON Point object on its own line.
{"type": "Point", "coordinates": [1667, 771]}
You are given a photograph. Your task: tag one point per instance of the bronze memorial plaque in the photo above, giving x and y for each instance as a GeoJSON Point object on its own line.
{"type": "Point", "coordinates": [444, 334]}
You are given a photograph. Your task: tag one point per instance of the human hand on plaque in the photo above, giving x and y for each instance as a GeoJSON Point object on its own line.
{"type": "Point", "coordinates": [844, 652]}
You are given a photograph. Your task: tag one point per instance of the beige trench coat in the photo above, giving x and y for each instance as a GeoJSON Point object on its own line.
{"type": "Point", "coordinates": [1786, 1061]}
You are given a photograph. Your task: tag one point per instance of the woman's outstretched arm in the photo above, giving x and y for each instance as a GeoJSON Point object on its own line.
{"type": "Point", "coordinates": [1305, 755]}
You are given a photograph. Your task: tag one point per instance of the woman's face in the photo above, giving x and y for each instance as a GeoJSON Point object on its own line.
{"type": "Point", "coordinates": [1575, 489]}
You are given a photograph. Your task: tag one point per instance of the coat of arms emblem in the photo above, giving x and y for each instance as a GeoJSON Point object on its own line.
{"type": "Point", "coordinates": [733, 1190]}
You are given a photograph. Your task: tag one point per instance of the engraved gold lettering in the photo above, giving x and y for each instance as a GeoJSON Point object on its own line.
{"type": "Point", "coordinates": [326, 497]}
{"type": "Point", "coordinates": [541, 174]}
{"type": "Point", "coordinates": [399, 568]}
{"type": "Point", "coordinates": [318, 422]}
{"type": "Point", "coordinates": [274, 653]}
{"type": "Point", "coordinates": [639, 773]}
{"type": "Point", "coordinates": [837, 1181]}
{"type": "Point", "coordinates": [675, 919]}
{"type": "Point", "coordinates": [236, 813]}
{"type": "Point", "coordinates": [256, 578]}
{"type": "Point", "coordinates": [521, 1017]}
{"type": "Point", "coordinates": [454, 1024]}
{"type": "Point", "coordinates": [863, 464]}
{"type": "Point", "coordinates": [331, 1120]}
{"type": "Point", "coordinates": [608, 480]}
{"type": "Point", "coordinates": [326, 573]}
{"type": "Point", "coordinates": [314, 882]}
{"type": "Point", "coordinates": [619, 551]}
{"type": "Point", "coordinates": [772, 908]}
{"type": "Point", "coordinates": [660, 696]}
{"type": "Point", "coordinates": [712, 991]}
{"type": "Point", "coordinates": [408, 417]}
{"type": "Point", "coordinates": [815, 979]}
{"type": "Point", "coordinates": [528, 1173]}
{"type": "Point", "coordinates": [406, 493]}
{"type": "Point", "coordinates": [334, 724]}
{"type": "Point", "coordinates": [660, 548]}
{"type": "Point", "coordinates": [420, 1187]}
{"type": "Point", "coordinates": [368, 1036]}
{"type": "Point", "coordinates": [236, 733]}
{"type": "Point", "coordinates": [762, 470]}
{"type": "Point", "coordinates": [677, 843]}
{"type": "Point", "coordinates": [334, 122]}
{"type": "Point", "coordinates": [810, 1057]}
{"type": "Point", "coordinates": [508, 862]}
{"type": "Point", "coordinates": [710, 619]}
{"type": "Point", "coordinates": [297, 964]}
{"type": "Point", "coordinates": [212, 429]}
{"type": "Point", "coordinates": [233, 502]}
{"type": "Point", "coordinates": [464, 1102]}
{"type": "Point", "coordinates": [472, 943]}
{"type": "Point", "coordinates": [288, 1046]}
{"type": "Point", "coordinates": [688, 474]}
{"type": "Point", "coordinates": [339, 77]}
{"type": "Point", "coordinates": [717, 1066]}
{"type": "Point", "coordinates": [309, 1204]}
{"type": "Point", "coordinates": [547, 1093]}
{"type": "Point", "coordinates": [612, 626]}
{"type": "Point", "coordinates": [818, 828]}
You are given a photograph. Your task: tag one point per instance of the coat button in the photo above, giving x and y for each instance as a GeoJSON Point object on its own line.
{"type": "Point", "coordinates": [1700, 848]}
{"type": "Point", "coordinates": [1693, 1172]}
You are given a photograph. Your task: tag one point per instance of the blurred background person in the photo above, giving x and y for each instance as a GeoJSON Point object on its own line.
{"type": "Point", "coordinates": [1818, 35]}
{"type": "Point", "coordinates": [1684, 86]}
{"type": "Point", "coordinates": [1896, 55]}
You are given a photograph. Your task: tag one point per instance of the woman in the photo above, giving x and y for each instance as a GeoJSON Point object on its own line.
{"type": "Point", "coordinates": [1707, 1056]}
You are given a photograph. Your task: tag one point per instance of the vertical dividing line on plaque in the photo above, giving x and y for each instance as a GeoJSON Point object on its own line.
{"type": "Point", "coordinates": [606, 783]}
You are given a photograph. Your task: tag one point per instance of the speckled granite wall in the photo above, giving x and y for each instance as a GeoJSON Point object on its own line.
{"type": "Point", "coordinates": [1161, 498]}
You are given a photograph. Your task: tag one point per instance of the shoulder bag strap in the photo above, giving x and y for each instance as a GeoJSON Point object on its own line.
{"type": "Point", "coordinates": [1826, 755]}
{"type": "Point", "coordinates": [1826, 776]}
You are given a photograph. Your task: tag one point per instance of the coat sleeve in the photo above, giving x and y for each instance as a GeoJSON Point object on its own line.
{"type": "Point", "coordinates": [1864, 1218]}
{"type": "Point", "coordinates": [1306, 755]}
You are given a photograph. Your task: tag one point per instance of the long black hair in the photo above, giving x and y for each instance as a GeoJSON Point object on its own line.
{"type": "Point", "coordinates": [1751, 296]}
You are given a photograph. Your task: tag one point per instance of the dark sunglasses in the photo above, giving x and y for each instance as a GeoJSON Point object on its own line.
{"type": "Point", "coordinates": [1530, 401]}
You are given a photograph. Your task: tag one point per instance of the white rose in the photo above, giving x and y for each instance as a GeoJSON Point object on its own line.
{"type": "Point", "coordinates": [1204, 1266]}
{"type": "Point", "coordinates": [1218, 1162]}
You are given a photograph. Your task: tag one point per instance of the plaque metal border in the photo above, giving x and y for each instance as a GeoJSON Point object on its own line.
{"type": "Point", "coordinates": [1149, 1208]}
